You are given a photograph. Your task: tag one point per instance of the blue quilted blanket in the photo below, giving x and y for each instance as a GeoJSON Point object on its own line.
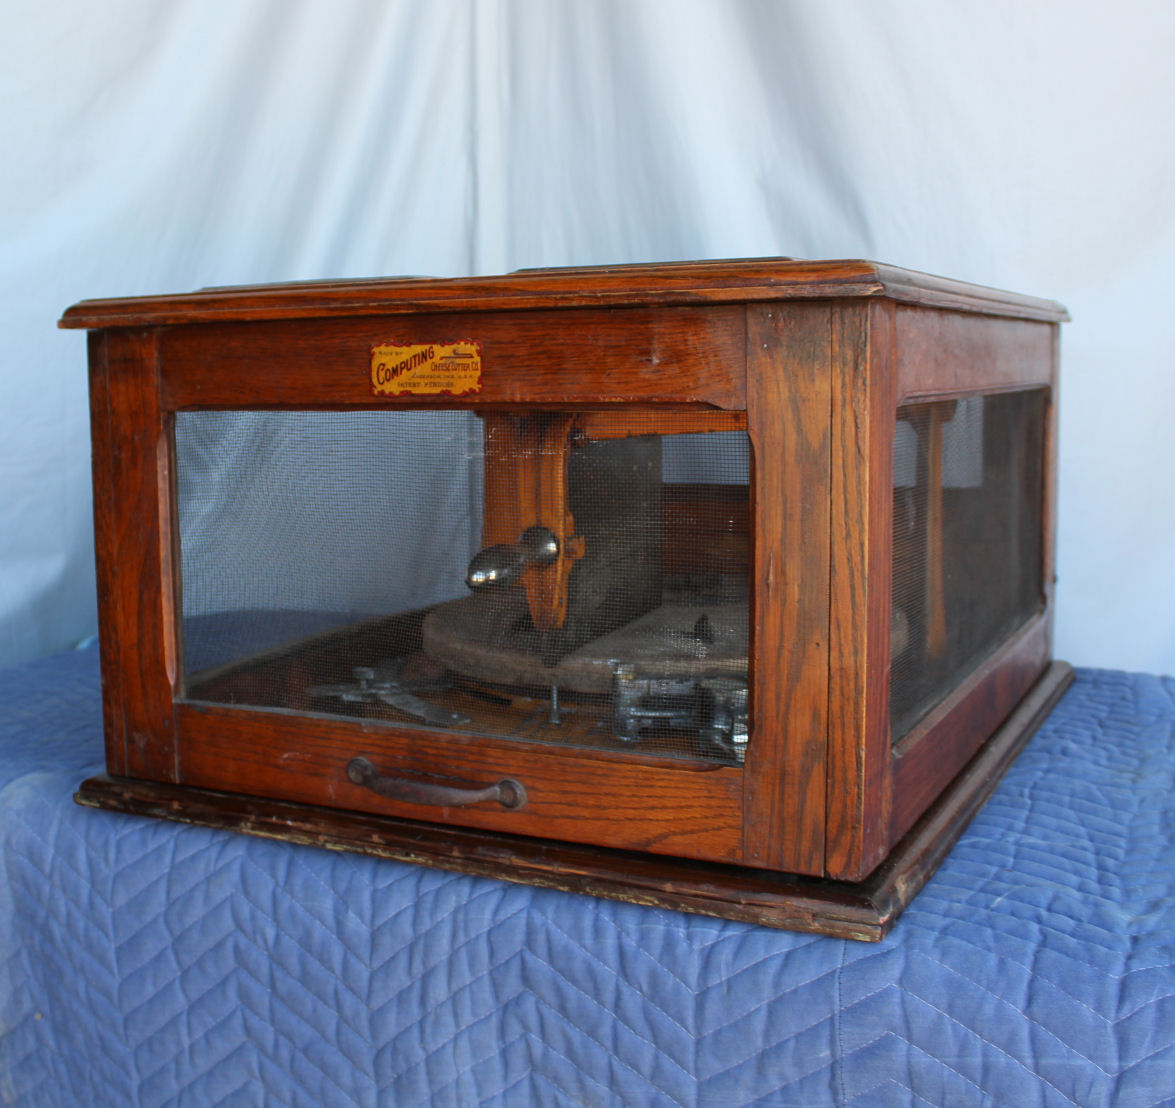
{"type": "Point", "coordinates": [145, 963]}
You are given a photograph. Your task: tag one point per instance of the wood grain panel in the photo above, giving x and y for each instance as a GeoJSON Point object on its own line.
{"type": "Point", "coordinates": [692, 810]}
{"type": "Point", "coordinates": [133, 529]}
{"type": "Point", "coordinates": [949, 353]}
{"type": "Point", "coordinates": [788, 356]}
{"type": "Point", "coordinates": [676, 356]}
{"type": "Point", "coordinates": [858, 695]}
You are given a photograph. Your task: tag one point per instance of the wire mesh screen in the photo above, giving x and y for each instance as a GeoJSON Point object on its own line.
{"type": "Point", "coordinates": [568, 577]}
{"type": "Point", "coordinates": [967, 534]}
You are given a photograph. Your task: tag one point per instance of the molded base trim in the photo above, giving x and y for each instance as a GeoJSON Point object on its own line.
{"type": "Point", "coordinates": [865, 910]}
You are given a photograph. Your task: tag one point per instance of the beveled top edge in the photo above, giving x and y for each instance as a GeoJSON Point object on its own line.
{"type": "Point", "coordinates": [639, 285]}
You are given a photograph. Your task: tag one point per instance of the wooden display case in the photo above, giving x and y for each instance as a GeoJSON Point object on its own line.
{"type": "Point", "coordinates": [723, 586]}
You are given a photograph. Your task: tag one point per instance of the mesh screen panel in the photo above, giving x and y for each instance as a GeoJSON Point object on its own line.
{"type": "Point", "coordinates": [967, 533]}
{"type": "Point", "coordinates": [572, 578]}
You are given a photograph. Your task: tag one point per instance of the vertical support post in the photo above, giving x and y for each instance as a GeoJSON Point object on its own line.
{"type": "Point", "coordinates": [788, 401]}
{"type": "Point", "coordinates": [859, 755]}
{"type": "Point", "coordinates": [133, 529]}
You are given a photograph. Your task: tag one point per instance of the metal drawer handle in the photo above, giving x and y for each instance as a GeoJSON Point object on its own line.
{"type": "Point", "coordinates": [507, 792]}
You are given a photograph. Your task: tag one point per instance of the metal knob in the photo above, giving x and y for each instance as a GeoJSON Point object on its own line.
{"type": "Point", "coordinates": [504, 563]}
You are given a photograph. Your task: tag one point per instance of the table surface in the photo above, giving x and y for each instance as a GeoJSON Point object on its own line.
{"type": "Point", "coordinates": [146, 963]}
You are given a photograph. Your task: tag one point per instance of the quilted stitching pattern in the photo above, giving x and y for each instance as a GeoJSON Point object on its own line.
{"type": "Point", "coordinates": [144, 963]}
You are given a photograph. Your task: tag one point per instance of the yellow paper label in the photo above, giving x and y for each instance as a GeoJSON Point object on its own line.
{"type": "Point", "coordinates": [426, 369]}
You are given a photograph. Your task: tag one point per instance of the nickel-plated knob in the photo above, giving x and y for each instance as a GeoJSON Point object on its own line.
{"type": "Point", "coordinates": [504, 563]}
{"type": "Point", "coordinates": [495, 565]}
{"type": "Point", "coordinates": [539, 545]}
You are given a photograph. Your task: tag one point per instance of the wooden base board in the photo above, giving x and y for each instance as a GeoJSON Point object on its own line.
{"type": "Point", "coordinates": [863, 911]}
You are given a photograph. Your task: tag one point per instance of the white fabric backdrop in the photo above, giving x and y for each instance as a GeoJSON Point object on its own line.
{"type": "Point", "coordinates": [1027, 144]}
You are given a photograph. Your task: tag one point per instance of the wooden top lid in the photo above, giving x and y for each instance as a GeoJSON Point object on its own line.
{"type": "Point", "coordinates": [673, 283]}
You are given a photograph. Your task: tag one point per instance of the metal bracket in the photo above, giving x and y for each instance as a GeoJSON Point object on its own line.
{"type": "Point", "coordinates": [714, 707]}
{"type": "Point", "coordinates": [378, 685]}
